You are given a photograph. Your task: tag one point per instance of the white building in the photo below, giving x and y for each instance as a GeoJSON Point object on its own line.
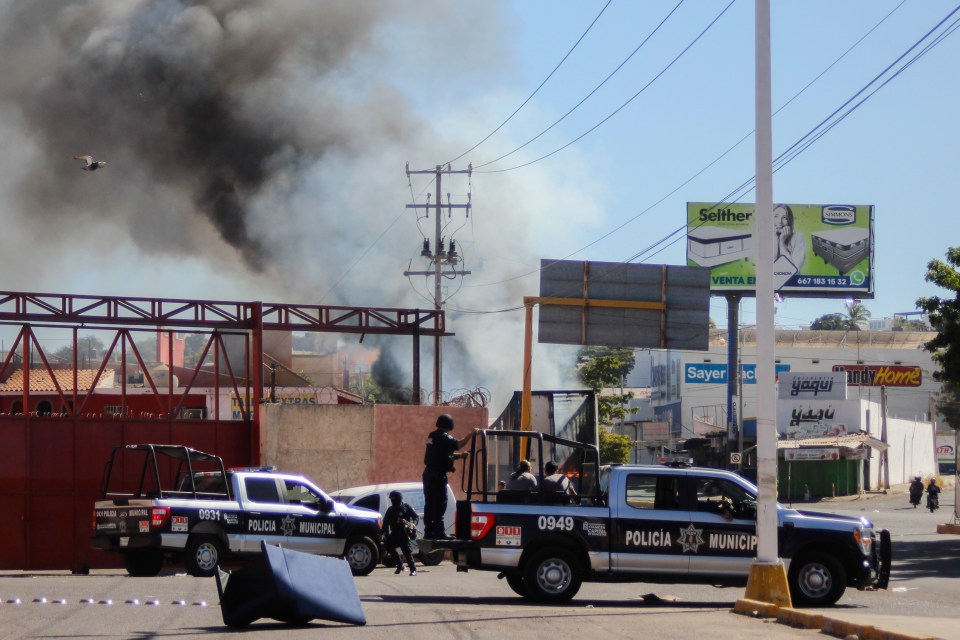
{"type": "Point", "coordinates": [689, 391]}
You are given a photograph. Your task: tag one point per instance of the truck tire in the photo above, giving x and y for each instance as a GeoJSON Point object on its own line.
{"type": "Point", "coordinates": [362, 555]}
{"type": "Point", "coordinates": [143, 564]}
{"type": "Point", "coordinates": [202, 555]}
{"type": "Point", "coordinates": [816, 579]}
{"type": "Point", "coordinates": [551, 575]}
{"type": "Point", "coordinates": [431, 559]}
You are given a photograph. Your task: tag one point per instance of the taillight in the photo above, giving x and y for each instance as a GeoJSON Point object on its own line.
{"type": "Point", "coordinates": [159, 516]}
{"type": "Point", "coordinates": [480, 525]}
{"type": "Point", "coordinates": [94, 519]}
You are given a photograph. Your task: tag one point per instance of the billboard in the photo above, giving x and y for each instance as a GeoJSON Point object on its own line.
{"type": "Point", "coordinates": [618, 304]}
{"type": "Point", "coordinates": [821, 251]}
{"type": "Point", "coordinates": [813, 386]}
{"type": "Point", "coordinates": [802, 418]}
{"type": "Point", "coordinates": [709, 373]}
{"type": "Point", "coordinates": [881, 375]}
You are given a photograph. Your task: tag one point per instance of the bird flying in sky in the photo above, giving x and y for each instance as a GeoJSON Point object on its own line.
{"type": "Point", "coordinates": [89, 164]}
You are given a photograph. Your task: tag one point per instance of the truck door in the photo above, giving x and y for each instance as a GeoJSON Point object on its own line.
{"type": "Point", "coordinates": [649, 533]}
{"type": "Point", "coordinates": [725, 515]}
{"type": "Point", "coordinates": [264, 516]}
{"type": "Point", "coordinates": [315, 528]}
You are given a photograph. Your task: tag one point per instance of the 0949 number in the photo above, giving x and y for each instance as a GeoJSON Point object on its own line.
{"type": "Point", "coordinates": [553, 523]}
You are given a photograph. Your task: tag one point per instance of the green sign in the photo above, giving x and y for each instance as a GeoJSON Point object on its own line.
{"type": "Point", "coordinates": [820, 250]}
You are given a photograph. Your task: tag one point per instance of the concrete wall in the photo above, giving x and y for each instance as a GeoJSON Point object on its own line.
{"type": "Point", "coordinates": [341, 446]}
{"type": "Point", "coordinates": [911, 450]}
{"type": "Point", "coordinates": [330, 444]}
{"type": "Point", "coordinates": [401, 435]}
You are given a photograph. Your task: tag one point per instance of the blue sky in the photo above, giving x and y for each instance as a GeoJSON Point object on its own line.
{"type": "Point", "coordinates": [896, 151]}
{"type": "Point", "coordinates": [319, 106]}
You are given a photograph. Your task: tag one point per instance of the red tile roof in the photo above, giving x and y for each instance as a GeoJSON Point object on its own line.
{"type": "Point", "coordinates": [40, 380]}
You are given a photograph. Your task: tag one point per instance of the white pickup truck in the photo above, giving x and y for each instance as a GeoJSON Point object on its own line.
{"type": "Point", "coordinates": [202, 519]}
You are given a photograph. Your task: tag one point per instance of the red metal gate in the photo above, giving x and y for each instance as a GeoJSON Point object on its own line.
{"type": "Point", "coordinates": [51, 473]}
{"type": "Point", "coordinates": [52, 449]}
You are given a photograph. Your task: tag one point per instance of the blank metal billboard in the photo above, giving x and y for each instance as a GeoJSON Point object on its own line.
{"type": "Point", "coordinates": [624, 305]}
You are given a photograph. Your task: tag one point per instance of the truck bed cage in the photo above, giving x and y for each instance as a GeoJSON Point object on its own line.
{"type": "Point", "coordinates": [581, 465]}
{"type": "Point", "coordinates": [150, 471]}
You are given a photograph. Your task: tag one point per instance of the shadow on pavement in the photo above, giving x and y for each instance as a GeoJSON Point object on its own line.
{"type": "Point", "coordinates": [576, 603]}
{"type": "Point", "coordinates": [926, 558]}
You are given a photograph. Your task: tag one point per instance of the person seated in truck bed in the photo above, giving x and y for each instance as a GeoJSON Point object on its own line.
{"type": "Point", "coordinates": [555, 481]}
{"type": "Point", "coordinates": [522, 479]}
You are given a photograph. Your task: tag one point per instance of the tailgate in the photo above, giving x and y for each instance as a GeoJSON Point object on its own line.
{"type": "Point", "coordinates": [131, 518]}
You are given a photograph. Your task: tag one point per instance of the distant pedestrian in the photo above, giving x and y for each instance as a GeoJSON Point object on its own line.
{"type": "Point", "coordinates": [399, 529]}
{"type": "Point", "coordinates": [438, 460]}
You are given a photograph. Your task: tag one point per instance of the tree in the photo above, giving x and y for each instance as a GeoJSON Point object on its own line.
{"type": "Point", "coordinates": [829, 322]}
{"type": "Point", "coordinates": [858, 316]}
{"type": "Point", "coordinates": [902, 324]}
{"type": "Point", "coordinates": [606, 368]}
{"type": "Point", "coordinates": [614, 447]}
{"type": "Point", "coordinates": [944, 315]}
{"type": "Point", "coordinates": [88, 345]}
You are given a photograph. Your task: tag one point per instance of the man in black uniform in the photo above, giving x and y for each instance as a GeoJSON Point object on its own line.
{"type": "Point", "coordinates": [438, 461]}
{"type": "Point", "coordinates": [399, 528]}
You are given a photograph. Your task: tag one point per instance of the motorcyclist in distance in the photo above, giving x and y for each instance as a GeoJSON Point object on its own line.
{"type": "Point", "coordinates": [933, 495]}
{"type": "Point", "coordinates": [916, 491]}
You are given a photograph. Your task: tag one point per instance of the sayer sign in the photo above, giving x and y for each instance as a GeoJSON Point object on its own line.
{"type": "Point", "coordinates": [880, 375]}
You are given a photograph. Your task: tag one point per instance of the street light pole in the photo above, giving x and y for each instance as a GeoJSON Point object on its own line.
{"type": "Point", "coordinates": [768, 578]}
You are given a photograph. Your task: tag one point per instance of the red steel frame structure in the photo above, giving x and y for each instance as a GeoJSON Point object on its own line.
{"type": "Point", "coordinates": [50, 464]}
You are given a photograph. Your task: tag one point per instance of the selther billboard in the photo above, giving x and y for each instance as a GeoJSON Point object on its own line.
{"type": "Point", "coordinates": [821, 251]}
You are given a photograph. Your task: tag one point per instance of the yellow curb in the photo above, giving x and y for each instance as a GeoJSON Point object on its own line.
{"type": "Point", "coordinates": [749, 607]}
{"type": "Point", "coordinates": [797, 618]}
{"type": "Point", "coordinates": [831, 626]}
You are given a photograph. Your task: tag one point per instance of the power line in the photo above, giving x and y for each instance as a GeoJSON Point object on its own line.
{"type": "Point", "coordinates": [535, 91]}
{"type": "Point", "coordinates": [589, 95]}
{"type": "Point", "coordinates": [622, 106]}
{"type": "Point", "coordinates": [784, 158]}
{"type": "Point", "coordinates": [818, 131]}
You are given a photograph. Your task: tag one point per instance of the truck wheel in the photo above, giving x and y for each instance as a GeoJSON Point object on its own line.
{"type": "Point", "coordinates": [202, 555]}
{"type": "Point", "coordinates": [143, 564]}
{"type": "Point", "coordinates": [816, 580]}
{"type": "Point", "coordinates": [431, 559]}
{"type": "Point", "coordinates": [516, 585]}
{"type": "Point", "coordinates": [552, 575]}
{"type": "Point", "coordinates": [362, 555]}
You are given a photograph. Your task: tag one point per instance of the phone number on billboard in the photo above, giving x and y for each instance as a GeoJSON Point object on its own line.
{"type": "Point", "coordinates": [824, 281]}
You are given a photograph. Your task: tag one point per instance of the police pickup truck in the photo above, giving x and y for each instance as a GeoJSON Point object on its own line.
{"type": "Point", "coordinates": [204, 519]}
{"type": "Point", "coordinates": [657, 524]}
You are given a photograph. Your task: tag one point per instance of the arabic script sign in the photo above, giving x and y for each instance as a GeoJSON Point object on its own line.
{"type": "Point", "coordinates": [881, 375]}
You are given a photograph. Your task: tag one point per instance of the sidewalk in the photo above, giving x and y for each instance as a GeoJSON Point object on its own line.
{"type": "Point", "coordinates": [842, 624]}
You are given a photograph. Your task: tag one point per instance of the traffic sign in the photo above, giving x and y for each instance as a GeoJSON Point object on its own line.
{"type": "Point", "coordinates": [735, 458]}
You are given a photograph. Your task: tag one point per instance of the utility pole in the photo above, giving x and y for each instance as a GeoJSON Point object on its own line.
{"type": "Point", "coordinates": [442, 256]}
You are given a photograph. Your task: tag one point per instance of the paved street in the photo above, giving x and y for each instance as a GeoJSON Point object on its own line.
{"type": "Point", "coordinates": [925, 581]}
{"type": "Point", "coordinates": [440, 603]}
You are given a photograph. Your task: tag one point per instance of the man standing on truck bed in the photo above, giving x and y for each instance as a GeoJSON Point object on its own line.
{"type": "Point", "coordinates": [438, 461]}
